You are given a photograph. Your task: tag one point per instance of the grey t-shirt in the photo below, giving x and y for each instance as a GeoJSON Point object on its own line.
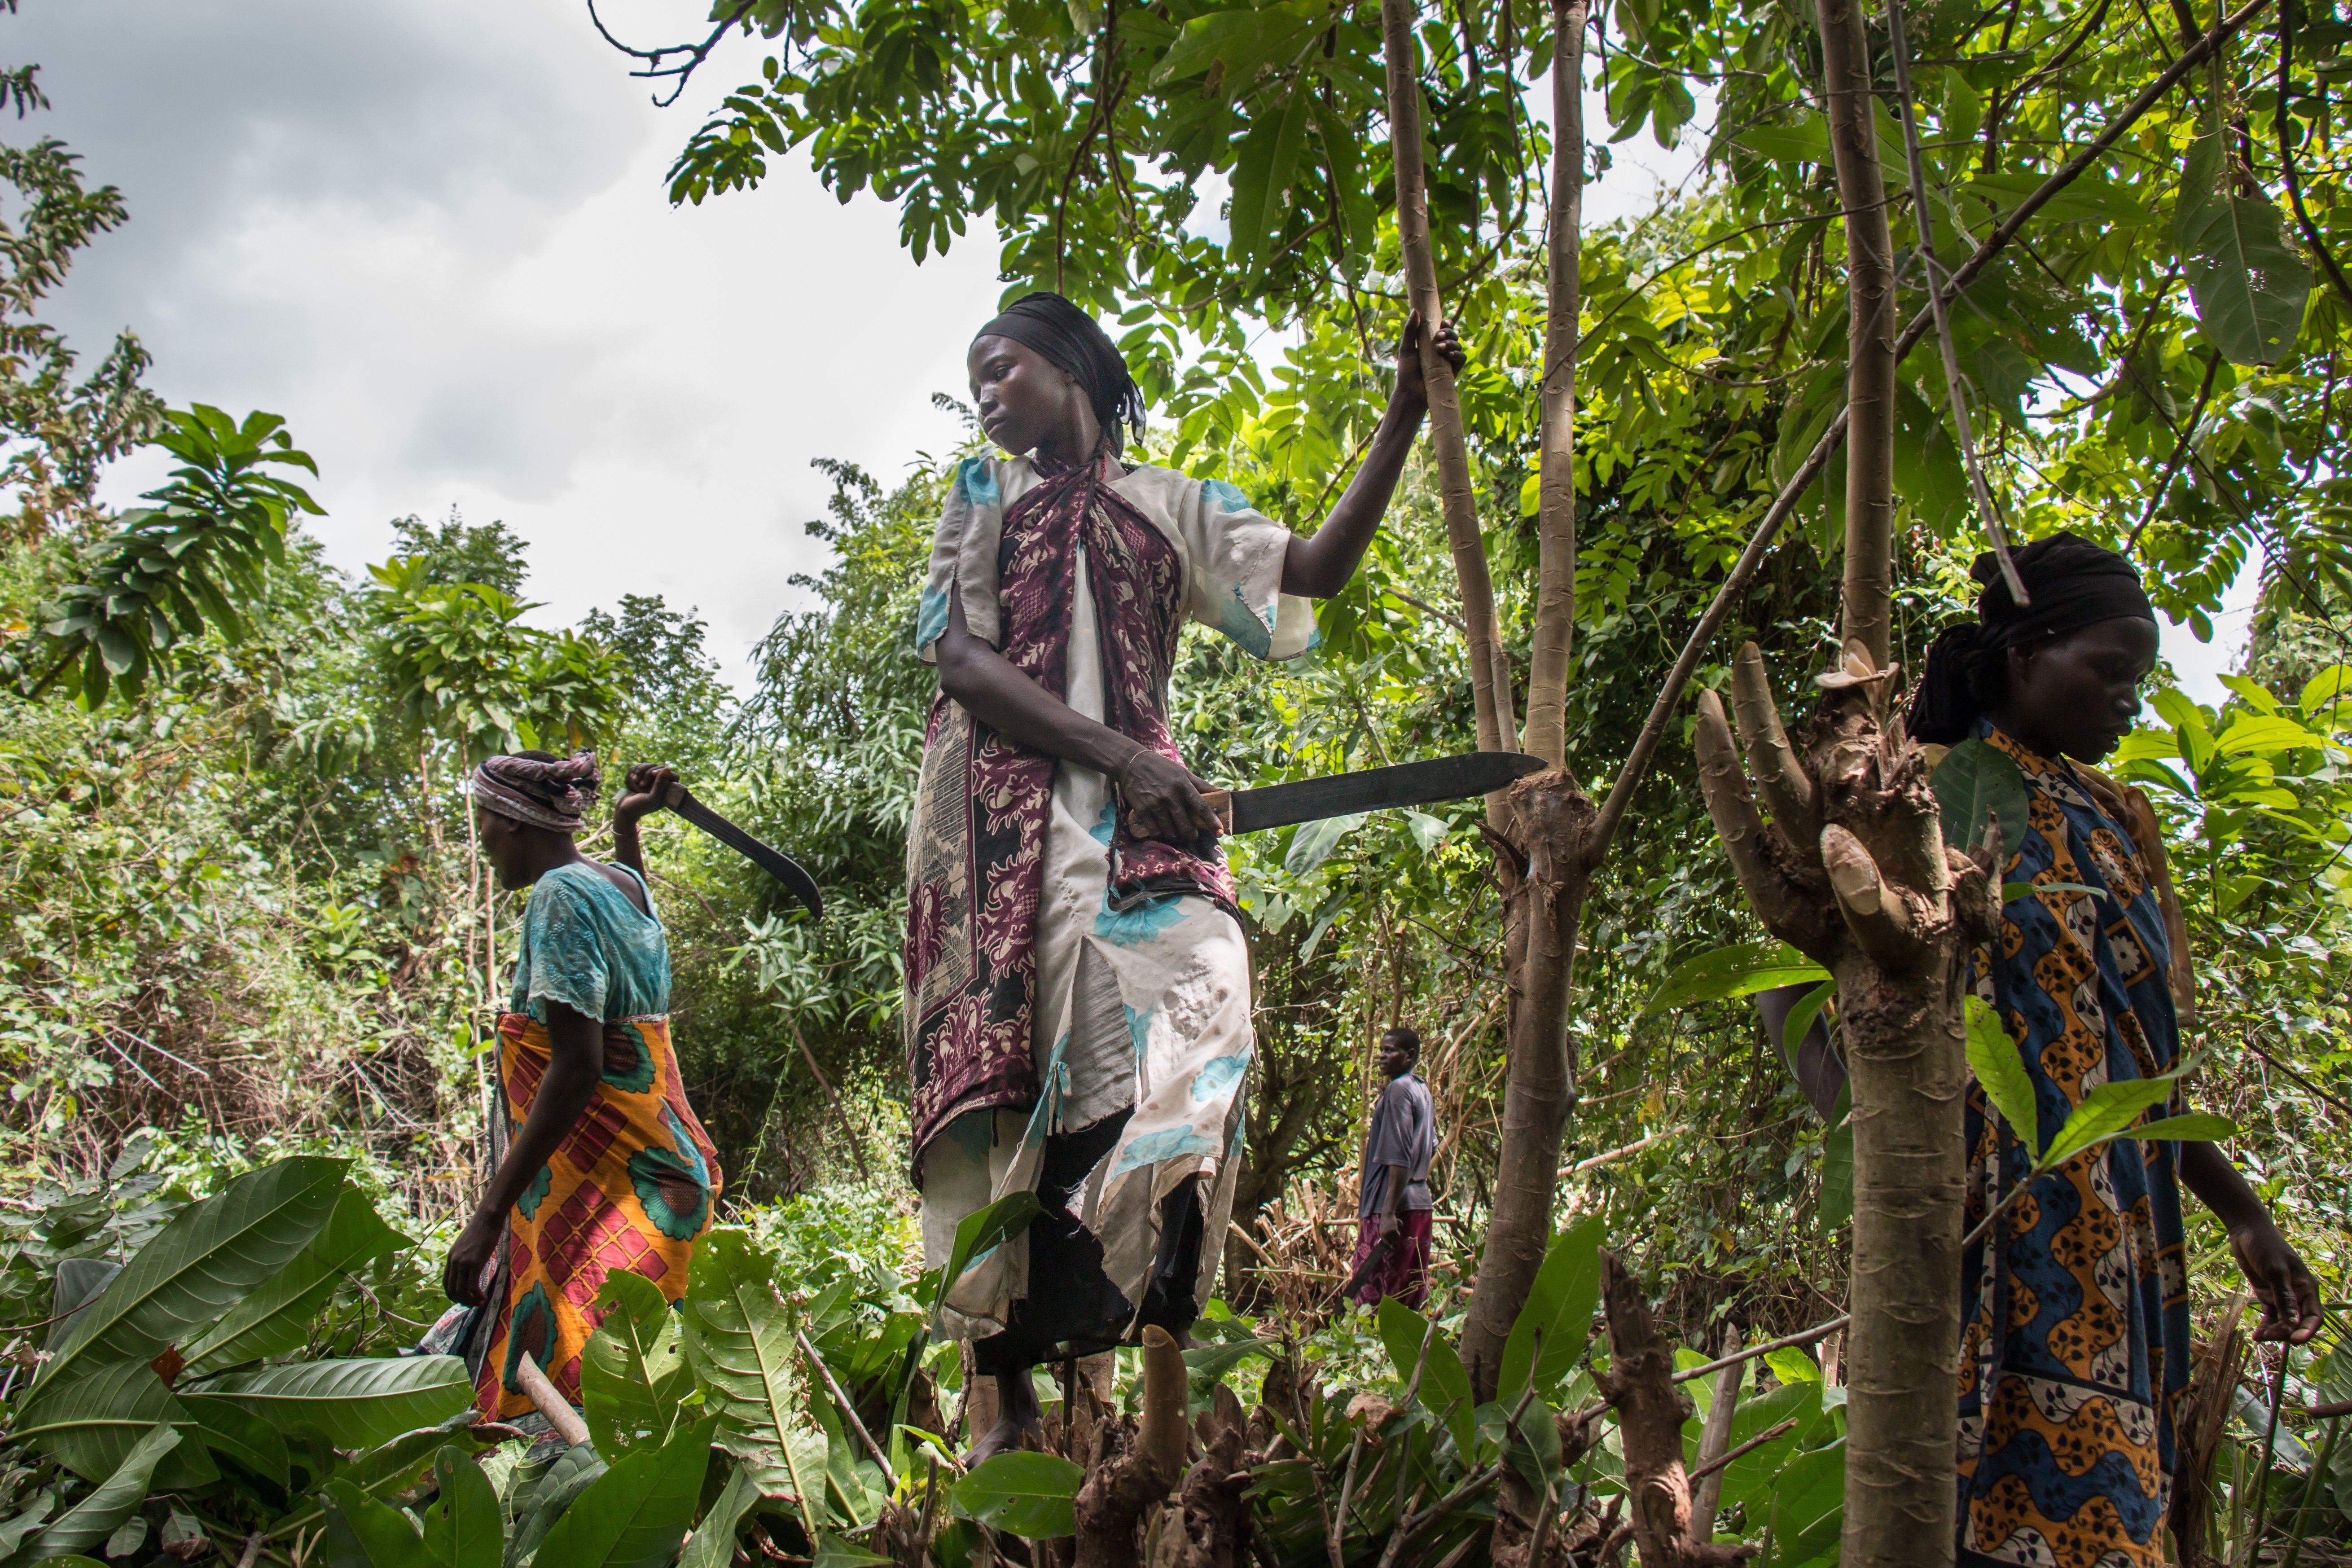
{"type": "Point", "coordinates": [1404, 1133]}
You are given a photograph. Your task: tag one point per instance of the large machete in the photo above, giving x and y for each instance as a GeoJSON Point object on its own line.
{"type": "Point", "coordinates": [774, 862]}
{"type": "Point", "coordinates": [1343, 794]}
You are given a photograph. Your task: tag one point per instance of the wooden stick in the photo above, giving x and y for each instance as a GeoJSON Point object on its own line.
{"type": "Point", "coordinates": [1757, 1441]}
{"type": "Point", "coordinates": [890, 1477]}
{"type": "Point", "coordinates": [560, 1415]}
{"type": "Point", "coordinates": [1817, 1332]}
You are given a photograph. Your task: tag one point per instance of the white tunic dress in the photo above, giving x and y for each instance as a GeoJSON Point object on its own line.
{"type": "Point", "coordinates": [1147, 1006]}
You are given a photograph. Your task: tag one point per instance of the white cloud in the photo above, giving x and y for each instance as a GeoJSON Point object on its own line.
{"type": "Point", "coordinates": [436, 238]}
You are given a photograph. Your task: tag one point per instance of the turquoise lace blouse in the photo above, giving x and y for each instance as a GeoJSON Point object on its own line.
{"type": "Point", "coordinates": [584, 944]}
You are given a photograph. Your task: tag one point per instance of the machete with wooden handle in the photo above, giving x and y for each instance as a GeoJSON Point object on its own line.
{"type": "Point", "coordinates": [1343, 794]}
{"type": "Point", "coordinates": [774, 862]}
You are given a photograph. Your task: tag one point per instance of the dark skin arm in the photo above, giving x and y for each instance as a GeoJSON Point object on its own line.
{"type": "Point", "coordinates": [2279, 1278]}
{"type": "Point", "coordinates": [1391, 1199]}
{"type": "Point", "coordinates": [1162, 799]}
{"type": "Point", "coordinates": [577, 1043]}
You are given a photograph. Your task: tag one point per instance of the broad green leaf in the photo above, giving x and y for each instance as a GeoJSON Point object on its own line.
{"type": "Point", "coordinates": [712, 1544]}
{"type": "Point", "coordinates": [1804, 139]}
{"type": "Point", "coordinates": [230, 1430]}
{"type": "Point", "coordinates": [1809, 1505]}
{"type": "Point", "coordinates": [1974, 781]}
{"type": "Point", "coordinates": [364, 1532]}
{"type": "Point", "coordinates": [1800, 1022]}
{"type": "Point", "coordinates": [1313, 843]}
{"type": "Point", "coordinates": [740, 1344]}
{"type": "Point", "coordinates": [211, 1256]}
{"type": "Point", "coordinates": [2195, 1127]}
{"type": "Point", "coordinates": [383, 1470]}
{"type": "Point", "coordinates": [1263, 173]}
{"type": "Point", "coordinates": [1532, 1447]}
{"type": "Point", "coordinates": [2262, 734]}
{"type": "Point", "coordinates": [1993, 1057]}
{"type": "Point", "coordinates": [1740, 969]}
{"type": "Point", "coordinates": [1754, 1471]}
{"type": "Point", "coordinates": [2106, 1113]}
{"type": "Point", "coordinates": [1547, 1338]}
{"type": "Point", "coordinates": [1837, 1163]}
{"type": "Point", "coordinates": [1207, 1363]}
{"type": "Point", "coordinates": [276, 1317]}
{"type": "Point", "coordinates": [575, 1470]}
{"type": "Point", "coordinates": [1792, 1365]}
{"type": "Point", "coordinates": [980, 1233]}
{"type": "Point", "coordinates": [636, 1515]}
{"type": "Point", "coordinates": [89, 1521]}
{"type": "Point", "coordinates": [90, 1425]}
{"type": "Point", "coordinates": [1445, 1385]}
{"type": "Point", "coordinates": [355, 1403]}
{"type": "Point", "coordinates": [2245, 273]}
{"type": "Point", "coordinates": [465, 1527]}
{"type": "Point", "coordinates": [2322, 692]}
{"type": "Point", "coordinates": [832, 1552]}
{"type": "Point", "coordinates": [633, 1372]}
{"type": "Point", "coordinates": [1031, 1495]}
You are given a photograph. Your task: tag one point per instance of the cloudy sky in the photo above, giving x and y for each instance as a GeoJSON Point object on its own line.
{"type": "Point", "coordinates": [434, 236]}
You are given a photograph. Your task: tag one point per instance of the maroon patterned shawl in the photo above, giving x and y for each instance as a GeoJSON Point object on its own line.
{"type": "Point", "coordinates": [977, 844]}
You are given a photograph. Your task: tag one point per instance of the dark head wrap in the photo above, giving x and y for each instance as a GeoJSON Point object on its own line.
{"type": "Point", "coordinates": [2072, 583]}
{"type": "Point", "coordinates": [536, 788]}
{"type": "Point", "coordinates": [1069, 337]}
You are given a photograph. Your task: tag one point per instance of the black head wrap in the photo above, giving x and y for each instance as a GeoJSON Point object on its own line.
{"type": "Point", "coordinates": [540, 789]}
{"type": "Point", "coordinates": [1069, 337]}
{"type": "Point", "coordinates": [2072, 583]}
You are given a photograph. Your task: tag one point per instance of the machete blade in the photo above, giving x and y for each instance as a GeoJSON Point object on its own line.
{"type": "Point", "coordinates": [1343, 794]}
{"type": "Point", "coordinates": [774, 862]}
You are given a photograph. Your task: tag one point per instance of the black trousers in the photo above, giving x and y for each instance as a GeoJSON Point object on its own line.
{"type": "Point", "coordinates": [1072, 1308]}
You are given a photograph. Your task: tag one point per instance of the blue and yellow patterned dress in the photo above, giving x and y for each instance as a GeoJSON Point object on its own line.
{"type": "Point", "coordinates": [2075, 1347]}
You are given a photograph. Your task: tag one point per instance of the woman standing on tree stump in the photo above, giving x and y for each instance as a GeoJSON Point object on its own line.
{"type": "Point", "coordinates": [1078, 1006]}
{"type": "Point", "coordinates": [2075, 1333]}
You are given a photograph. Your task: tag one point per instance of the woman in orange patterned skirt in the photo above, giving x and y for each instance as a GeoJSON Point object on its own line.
{"type": "Point", "coordinates": [609, 1170]}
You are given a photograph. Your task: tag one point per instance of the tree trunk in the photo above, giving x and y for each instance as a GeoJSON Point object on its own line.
{"type": "Point", "coordinates": [1853, 872]}
{"type": "Point", "coordinates": [1556, 488]}
{"type": "Point", "coordinates": [1651, 1411]}
{"type": "Point", "coordinates": [1542, 828]}
{"type": "Point", "coordinates": [1544, 901]}
{"type": "Point", "coordinates": [1870, 325]}
{"type": "Point", "coordinates": [1490, 685]}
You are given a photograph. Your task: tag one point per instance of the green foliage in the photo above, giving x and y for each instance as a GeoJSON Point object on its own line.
{"type": "Point", "coordinates": [1977, 782]}
{"type": "Point", "coordinates": [1022, 1494]}
{"type": "Point", "coordinates": [166, 573]}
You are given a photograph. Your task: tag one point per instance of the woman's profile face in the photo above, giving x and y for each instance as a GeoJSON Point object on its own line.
{"type": "Point", "coordinates": [2079, 694]}
{"type": "Point", "coordinates": [1024, 398]}
{"type": "Point", "coordinates": [501, 838]}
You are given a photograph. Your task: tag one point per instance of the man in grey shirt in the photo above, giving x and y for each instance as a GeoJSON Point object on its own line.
{"type": "Point", "coordinates": [1393, 1213]}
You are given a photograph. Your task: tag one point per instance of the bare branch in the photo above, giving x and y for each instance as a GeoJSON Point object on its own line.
{"type": "Point", "coordinates": [663, 62]}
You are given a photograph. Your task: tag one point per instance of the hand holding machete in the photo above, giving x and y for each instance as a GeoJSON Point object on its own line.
{"type": "Point", "coordinates": [654, 787]}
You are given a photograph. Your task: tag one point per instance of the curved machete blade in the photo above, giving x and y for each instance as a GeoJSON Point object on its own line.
{"type": "Point", "coordinates": [774, 862]}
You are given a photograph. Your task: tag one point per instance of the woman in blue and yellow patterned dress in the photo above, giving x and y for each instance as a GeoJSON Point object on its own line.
{"type": "Point", "coordinates": [2075, 1323]}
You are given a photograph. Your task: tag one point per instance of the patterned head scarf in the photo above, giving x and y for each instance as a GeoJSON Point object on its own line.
{"type": "Point", "coordinates": [2073, 584]}
{"type": "Point", "coordinates": [1071, 339]}
{"type": "Point", "coordinates": [540, 790]}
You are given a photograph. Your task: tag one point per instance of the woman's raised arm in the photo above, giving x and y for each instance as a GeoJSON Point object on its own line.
{"type": "Point", "coordinates": [1320, 564]}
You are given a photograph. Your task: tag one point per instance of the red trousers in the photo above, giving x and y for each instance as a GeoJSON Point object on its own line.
{"type": "Point", "coordinates": [1405, 1272]}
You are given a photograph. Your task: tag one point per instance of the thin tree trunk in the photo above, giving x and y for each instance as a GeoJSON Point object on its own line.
{"type": "Point", "coordinates": [1543, 903]}
{"type": "Point", "coordinates": [1490, 686]}
{"type": "Point", "coordinates": [1556, 507]}
{"type": "Point", "coordinates": [1871, 327]}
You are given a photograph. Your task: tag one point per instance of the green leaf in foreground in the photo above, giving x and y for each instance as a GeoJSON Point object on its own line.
{"type": "Point", "coordinates": [354, 1403]}
{"type": "Point", "coordinates": [638, 1512]}
{"type": "Point", "coordinates": [633, 1372]}
{"type": "Point", "coordinates": [2106, 1114]}
{"type": "Point", "coordinates": [1031, 1495]}
{"type": "Point", "coordinates": [364, 1532]}
{"type": "Point", "coordinates": [712, 1544]}
{"type": "Point", "coordinates": [465, 1527]}
{"type": "Point", "coordinates": [1740, 969]}
{"type": "Point", "coordinates": [1974, 781]}
{"type": "Point", "coordinates": [1993, 1057]}
{"type": "Point", "coordinates": [89, 1521]}
{"type": "Point", "coordinates": [740, 1344]}
{"type": "Point", "coordinates": [276, 1317]}
{"type": "Point", "coordinates": [982, 1232]}
{"type": "Point", "coordinates": [2246, 275]}
{"type": "Point", "coordinates": [1547, 1337]}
